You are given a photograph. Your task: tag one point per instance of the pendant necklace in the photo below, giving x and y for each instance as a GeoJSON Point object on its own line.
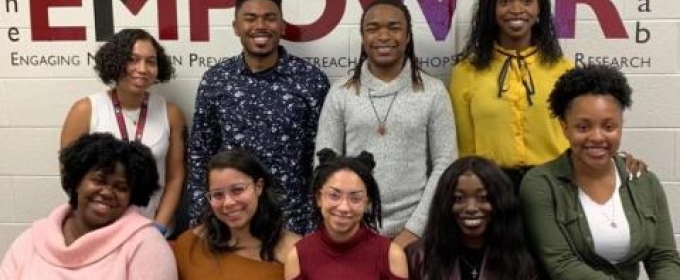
{"type": "Point", "coordinates": [130, 115]}
{"type": "Point", "coordinates": [382, 129]}
{"type": "Point", "coordinates": [612, 218]}
{"type": "Point", "coordinates": [604, 208]}
{"type": "Point", "coordinates": [233, 242]}
{"type": "Point", "coordinates": [474, 272]}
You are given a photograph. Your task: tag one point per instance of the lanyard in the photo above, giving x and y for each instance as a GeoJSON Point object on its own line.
{"type": "Point", "coordinates": [121, 121]}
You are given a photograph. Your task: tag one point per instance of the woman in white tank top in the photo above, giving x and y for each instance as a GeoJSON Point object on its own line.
{"type": "Point", "coordinates": [131, 61]}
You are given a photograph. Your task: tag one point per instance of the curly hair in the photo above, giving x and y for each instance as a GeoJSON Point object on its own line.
{"type": "Point", "coordinates": [484, 31]}
{"type": "Point", "coordinates": [504, 237]}
{"type": "Point", "coordinates": [362, 166]}
{"type": "Point", "coordinates": [355, 80]}
{"type": "Point", "coordinates": [266, 224]}
{"type": "Point", "coordinates": [113, 56]}
{"type": "Point", "coordinates": [589, 79]}
{"type": "Point", "coordinates": [102, 152]}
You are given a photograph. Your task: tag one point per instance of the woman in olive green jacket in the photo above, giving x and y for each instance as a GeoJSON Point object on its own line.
{"type": "Point", "coordinates": [584, 218]}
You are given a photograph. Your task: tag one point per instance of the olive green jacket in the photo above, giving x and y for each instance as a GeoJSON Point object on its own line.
{"type": "Point", "coordinates": [558, 229]}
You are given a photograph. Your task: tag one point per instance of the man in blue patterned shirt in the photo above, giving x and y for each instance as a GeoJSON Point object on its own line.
{"type": "Point", "coordinates": [265, 101]}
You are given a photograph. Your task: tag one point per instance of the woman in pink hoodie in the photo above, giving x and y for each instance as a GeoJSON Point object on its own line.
{"type": "Point", "coordinates": [99, 233]}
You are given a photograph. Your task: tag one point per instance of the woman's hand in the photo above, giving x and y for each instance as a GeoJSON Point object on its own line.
{"type": "Point", "coordinates": [634, 166]}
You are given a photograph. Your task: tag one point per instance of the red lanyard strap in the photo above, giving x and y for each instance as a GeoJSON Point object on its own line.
{"type": "Point", "coordinates": [121, 121]}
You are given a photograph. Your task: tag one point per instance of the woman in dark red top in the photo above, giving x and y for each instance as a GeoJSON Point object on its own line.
{"type": "Point", "coordinates": [346, 245]}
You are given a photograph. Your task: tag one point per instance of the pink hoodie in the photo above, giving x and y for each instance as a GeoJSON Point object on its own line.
{"type": "Point", "coordinates": [130, 248]}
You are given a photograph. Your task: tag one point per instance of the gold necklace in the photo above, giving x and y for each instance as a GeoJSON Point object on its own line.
{"type": "Point", "coordinates": [232, 242]}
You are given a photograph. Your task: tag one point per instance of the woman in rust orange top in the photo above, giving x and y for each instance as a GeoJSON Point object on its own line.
{"type": "Point", "coordinates": [241, 235]}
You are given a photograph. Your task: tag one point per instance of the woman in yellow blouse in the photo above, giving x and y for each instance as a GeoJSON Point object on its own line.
{"type": "Point", "coordinates": [500, 87]}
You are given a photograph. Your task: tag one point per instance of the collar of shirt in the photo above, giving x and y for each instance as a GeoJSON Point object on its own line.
{"type": "Point", "coordinates": [529, 54]}
{"type": "Point", "coordinates": [280, 67]}
{"type": "Point", "coordinates": [564, 170]}
{"type": "Point", "coordinates": [377, 87]}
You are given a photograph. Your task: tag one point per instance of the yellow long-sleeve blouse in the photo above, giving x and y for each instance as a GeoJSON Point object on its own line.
{"type": "Point", "coordinates": [512, 126]}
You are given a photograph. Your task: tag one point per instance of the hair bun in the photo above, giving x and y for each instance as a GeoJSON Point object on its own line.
{"type": "Point", "coordinates": [326, 155]}
{"type": "Point", "coordinates": [367, 159]}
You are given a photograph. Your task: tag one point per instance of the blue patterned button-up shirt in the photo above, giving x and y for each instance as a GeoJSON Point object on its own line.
{"type": "Point", "coordinates": [273, 114]}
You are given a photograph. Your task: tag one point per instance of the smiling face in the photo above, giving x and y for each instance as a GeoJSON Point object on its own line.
{"type": "Point", "coordinates": [259, 25]}
{"type": "Point", "coordinates": [515, 18]}
{"type": "Point", "coordinates": [385, 37]}
{"type": "Point", "coordinates": [472, 209]}
{"type": "Point", "coordinates": [141, 70]}
{"type": "Point", "coordinates": [342, 201]}
{"type": "Point", "coordinates": [102, 198]}
{"type": "Point", "coordinates": [233, 197]}
{"type": "Point", "coordinates": [593, 125]}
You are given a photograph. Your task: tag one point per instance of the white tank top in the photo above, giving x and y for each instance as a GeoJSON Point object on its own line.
{"type": "Point", "coordinates": [156, 133]}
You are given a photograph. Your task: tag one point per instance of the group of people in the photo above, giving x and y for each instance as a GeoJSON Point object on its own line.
{"type": "Point", "coordinates": [513, 172]}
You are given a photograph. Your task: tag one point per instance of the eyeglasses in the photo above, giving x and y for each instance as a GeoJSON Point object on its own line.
{"type": "Point", "coordinates": [335, 197]}
{"type": "Point", "coordinates": [219, 195]}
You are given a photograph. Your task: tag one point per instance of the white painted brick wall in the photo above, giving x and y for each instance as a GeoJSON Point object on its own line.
{"type": "Point", "coordinates": [34, 100]}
